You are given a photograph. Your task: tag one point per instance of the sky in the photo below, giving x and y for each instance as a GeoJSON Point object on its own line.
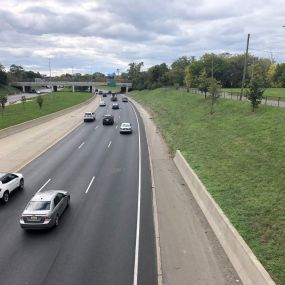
{"type": "Point", "coordinates": [105, 36]}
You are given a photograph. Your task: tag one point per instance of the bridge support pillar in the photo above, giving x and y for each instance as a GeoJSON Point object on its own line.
{"type": "Point", "coordinates": [27, 89]}
{"type": "Point", "coordinates": [54, 88]}
{"type": "Point", "coordinates": [127, 89]}
{"type": "Point", "coordinates": [90, 89]}
{"type": "Point", "coordinates": [23, 89]}
{"type": "Point", "coordinates": [73, 89]}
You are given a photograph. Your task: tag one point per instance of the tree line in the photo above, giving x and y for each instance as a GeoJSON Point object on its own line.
{"type": "Point", "coordinates": [226, 68]}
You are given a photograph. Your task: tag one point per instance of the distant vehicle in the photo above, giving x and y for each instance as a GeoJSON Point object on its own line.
{"type": "Point", "coordinates": [108, 120]}
{"type": "Point", "coordinates": [125, 99]}
{"type": "Point", "coordinates": [96, 90]}
{"type": "Point", "coordinates": [100, 92]}
{"type": "Point", "coordinates": [44, 209]}
{"type": "Point", "coordinates": [126, 128]}
{"type": "Point", "coordinates": [114, 97]}
{"type": "Point", "coordinates": [89, 116]}
{"type": "Point", "coordinates": [9, 182]}
{"type": "Point", "coordinates": [115, 106]}
{"type": "Point", "coordinates": [104, 94]}
{"type": "Point", "coordinates": [102, 103]}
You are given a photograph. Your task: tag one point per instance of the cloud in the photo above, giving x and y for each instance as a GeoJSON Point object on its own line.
{"type": "Point", "coordinates": [106, 35]}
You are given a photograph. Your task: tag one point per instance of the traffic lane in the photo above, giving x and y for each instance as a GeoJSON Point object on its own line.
{"type": "Point", "coordinates": [147, 254]}
{"type": "Point", "coordinates": [107, 226]}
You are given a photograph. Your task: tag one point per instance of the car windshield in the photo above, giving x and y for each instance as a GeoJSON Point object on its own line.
{"type": "Point", "coordinates": [124, 125]}
{"type": "Point", "coordinates": [38, 205]}
{"type": "Point", "coordinates": [88, 114]}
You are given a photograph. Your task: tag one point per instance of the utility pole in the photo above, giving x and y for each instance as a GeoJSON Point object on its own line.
{"type": "Point", "coordinates": [244, 68]}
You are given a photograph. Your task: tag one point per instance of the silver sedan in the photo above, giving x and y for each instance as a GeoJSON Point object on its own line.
{"type": "Point", "coordinates": [44, 209]}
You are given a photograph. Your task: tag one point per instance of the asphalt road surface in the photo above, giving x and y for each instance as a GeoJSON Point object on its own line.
{"type": "Point", "coordinates": [99, 239]}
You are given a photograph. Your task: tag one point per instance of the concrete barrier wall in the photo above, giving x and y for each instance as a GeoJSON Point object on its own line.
{"type": "Point", "coordinates": [249, 269]}
{"type": "Point", "coordinates": [23, 126]}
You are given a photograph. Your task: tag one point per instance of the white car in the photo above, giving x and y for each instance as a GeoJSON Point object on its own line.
{"type": "Point", "coordinates": [102, 104]}
{"type": "Point", "coordinates": [89, 116]}
{"type": "Point", "coordinates": [126, 128]}
{"type": "Point", "coordinates": [8, 183]}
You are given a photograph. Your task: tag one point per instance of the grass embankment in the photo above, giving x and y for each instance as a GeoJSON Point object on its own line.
{"type": "Point", "coordinates": [115, 89]}
{"type": "Point", "coordinates": [239, 156]}
{"type": "Point", "coordinates": [19, 113]}
{"type": "Point", "coordinates": [273, 93]}
{"type": "Point", "coordinates": [8, 90]}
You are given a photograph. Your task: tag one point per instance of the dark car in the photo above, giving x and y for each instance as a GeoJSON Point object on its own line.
{"type": "Point", "coordinates": [104, 94]}
{"type": "Point", "coordinates": [108, 120]}
{"type": "Point", "coordinates": [115, 106]}
{"type": "Point", "coordinates": [125, 99]}
{"type": "Point", "coordinates": [100, 92]}
{"type": "Point", "coordinates": [114, 97]}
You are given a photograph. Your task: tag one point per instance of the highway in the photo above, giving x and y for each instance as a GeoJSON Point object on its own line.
{"type": "Point", "coordinates": [100, 239]}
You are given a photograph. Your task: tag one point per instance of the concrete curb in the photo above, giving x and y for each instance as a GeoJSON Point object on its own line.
{"type": "Point", "coordinates": [248, 267]}
{"type": "Point", "coordinates": [154, 206]}
{"type": "Point", "coordinates": [35, 122]}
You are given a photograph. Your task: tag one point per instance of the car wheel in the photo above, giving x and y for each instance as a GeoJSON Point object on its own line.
{"type": "Point", "coordinates": [21, 186]}
{"type": "Point", "coordinates": [5, 197]}
{"type": "Point", "coordinates": [56, 222]}
{"type": "Point", "coordinates": [68, 200]}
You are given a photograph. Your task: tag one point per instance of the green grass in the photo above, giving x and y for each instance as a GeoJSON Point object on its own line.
{"type": "Point", "coordinates": [239, 156]}
{"type": "Point", "coordinates": [273, 93]}
{"type": "Point", "coordinates": [8, 90]}
{"type": "Point", "coordinates": [113, 89]}
{"type": "Point", "coordinates": [19, 113]}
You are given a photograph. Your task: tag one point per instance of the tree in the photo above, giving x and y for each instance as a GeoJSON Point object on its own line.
{"type": "Point", "coordinates": [255, 90]}
{"type": "Point", "coordinates": [271, 74]}
{"type": "Point", "coordinates": [40, 101]}
{"type": "Point", "coordinates": [3, 101]}
{"type": "Point", "coordinates": [188, 77]}
{"type": "Point", "coordinates": [134, 73]}
{"type": "Point", "coordinates": [203, 83]}
{"type": "Point", "coordinates": [23, 99]}
{"type": "Point", "coordinates": [177, 72]}
{"type": "Point", "coordinates": [214, 90]}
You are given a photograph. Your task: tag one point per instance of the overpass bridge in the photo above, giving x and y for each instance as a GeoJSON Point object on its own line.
{"type": "Point", "coordinates": [27, 86]}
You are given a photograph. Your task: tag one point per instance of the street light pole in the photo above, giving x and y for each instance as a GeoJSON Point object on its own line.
{"type": "Point", "coordinates": [49, 73]}
{"type": "Point", "coordinates": [244, 68]}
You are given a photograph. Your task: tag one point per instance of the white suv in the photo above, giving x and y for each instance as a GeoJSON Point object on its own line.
{"type": "Point", "coordinates": [8, 183]}
{"type": "Point", "coordinates": [89, 116]}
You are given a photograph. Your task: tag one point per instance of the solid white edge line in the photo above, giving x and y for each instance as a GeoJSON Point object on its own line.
{"type": "Point", "coordinates": [116, 126]}
{"type": "Point", "coordinates": [139, 209]}
{"type": "Point", "coordinates": [89, 184]}
{"type": "Point", "coordinates": [109, 144]}
{"type": "Point", "coordinates": [44, 185]}
{"type": "Point", "coordinates": [81, 145]}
